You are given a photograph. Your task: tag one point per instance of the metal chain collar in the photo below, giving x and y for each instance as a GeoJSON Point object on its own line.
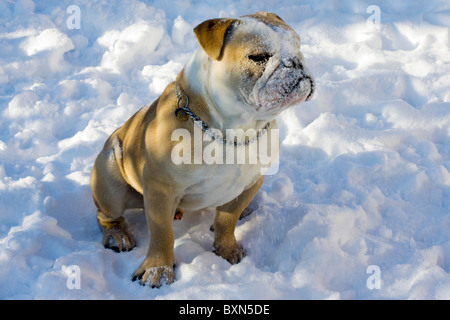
{"type": "Point", "coordinates": [205, 128]}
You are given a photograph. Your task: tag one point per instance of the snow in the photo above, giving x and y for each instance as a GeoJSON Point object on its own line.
{"type": "Point", "coordinates": [364, 167]}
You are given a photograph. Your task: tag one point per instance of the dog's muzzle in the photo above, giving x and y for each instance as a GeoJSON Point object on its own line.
{"type": "Point", "coordinates": [305, 74]}
{"type": "Point", "coordinates": [289, 84]}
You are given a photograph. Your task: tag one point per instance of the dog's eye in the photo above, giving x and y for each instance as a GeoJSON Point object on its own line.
{"type": "Point", "coordinates": [260, 58]}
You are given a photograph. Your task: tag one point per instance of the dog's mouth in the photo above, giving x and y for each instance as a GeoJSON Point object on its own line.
{"type": "Point", "coordinates": [312, 85]}
{"type": "Point", "coordinates": [300, 85]}
{"type": "Point", "coordinates": [284, 88]}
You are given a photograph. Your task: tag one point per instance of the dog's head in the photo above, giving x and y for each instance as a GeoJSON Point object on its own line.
{"type": "Point", "coordinates": [257, 59]}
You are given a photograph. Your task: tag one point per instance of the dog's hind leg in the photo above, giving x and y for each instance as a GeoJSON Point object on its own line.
{"type": "Point", "coordinates": [112, 196]}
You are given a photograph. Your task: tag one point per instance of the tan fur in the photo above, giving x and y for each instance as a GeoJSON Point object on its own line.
{"type": "Point", "coordinates": [269, 18]}
{"type": "Point", "coordinates": [135, 170]}
{"type": "Point", "coordinates": [211, 35]}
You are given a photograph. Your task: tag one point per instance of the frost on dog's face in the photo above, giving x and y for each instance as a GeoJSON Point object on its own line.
{"type": "Point", "coordinates": [269, 71]}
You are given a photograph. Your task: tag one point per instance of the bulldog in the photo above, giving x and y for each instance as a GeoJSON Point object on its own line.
{"type": "Point", "coordinates": [245, 72]}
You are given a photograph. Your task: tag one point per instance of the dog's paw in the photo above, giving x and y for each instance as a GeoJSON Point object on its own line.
{"type": "Point", "coordinates": [233, 255]}
{"type": "Point", "coordinates": [115, 237]}
{"type": "Point", "coordinates": [155, 276]}
{"type": "Point", "coordinates": [118, 240]}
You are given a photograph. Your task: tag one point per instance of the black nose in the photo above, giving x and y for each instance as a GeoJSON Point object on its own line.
{"type": "Point", "coordinates": [293, 62]}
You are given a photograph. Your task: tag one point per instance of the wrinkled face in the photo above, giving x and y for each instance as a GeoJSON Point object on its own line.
{"type": "Point", "coordinates": [263, 64]}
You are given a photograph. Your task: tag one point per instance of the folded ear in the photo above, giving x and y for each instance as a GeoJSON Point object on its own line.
{"type": "Point", "coordinates": [211, 35]}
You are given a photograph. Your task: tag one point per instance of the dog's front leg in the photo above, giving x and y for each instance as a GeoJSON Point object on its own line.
{"type": "Point", "coordinates": [225, 223]}
{"type": "Point", "coordinates": [160, 205]}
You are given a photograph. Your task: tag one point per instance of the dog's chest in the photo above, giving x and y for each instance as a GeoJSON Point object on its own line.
{"type": "Point", "coordinates": [216, 180]}
{"type": "Point", "coordinates": [215, 185]}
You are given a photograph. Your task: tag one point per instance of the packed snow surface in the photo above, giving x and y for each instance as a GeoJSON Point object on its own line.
{"type": "Point", "coordinates": [360, 205]}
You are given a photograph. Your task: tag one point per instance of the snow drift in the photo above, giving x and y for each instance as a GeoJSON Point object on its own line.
{"type": "Point", "coordinates": [364, 169]}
